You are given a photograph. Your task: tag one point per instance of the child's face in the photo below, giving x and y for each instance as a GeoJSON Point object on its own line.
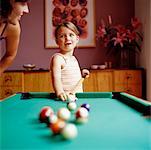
{"type": "Point", "coordinates": [67, 39]}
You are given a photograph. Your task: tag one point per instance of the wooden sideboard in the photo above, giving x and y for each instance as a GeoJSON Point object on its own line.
{"type": "Point", "coordinates": [129, 81]}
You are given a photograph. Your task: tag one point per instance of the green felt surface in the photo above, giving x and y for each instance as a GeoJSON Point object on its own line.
{"type": "Point", "coordinates": [111, 125]}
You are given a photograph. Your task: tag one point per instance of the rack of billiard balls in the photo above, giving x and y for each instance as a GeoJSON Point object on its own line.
{"type": "Point", "coordinates": [59, 122]}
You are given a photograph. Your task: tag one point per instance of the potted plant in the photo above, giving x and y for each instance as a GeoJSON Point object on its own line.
{"type": "Point", "coordinates": [120, 39]}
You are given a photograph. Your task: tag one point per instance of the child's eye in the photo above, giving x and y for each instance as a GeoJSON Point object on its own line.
{"type": "Point", "coordinates": [61, 36]}
{"type": "Point", "coordinates": [71, 34]}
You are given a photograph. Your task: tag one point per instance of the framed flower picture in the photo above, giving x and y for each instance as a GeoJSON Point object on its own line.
{"type": "Point", "coordinates": [79, 12]}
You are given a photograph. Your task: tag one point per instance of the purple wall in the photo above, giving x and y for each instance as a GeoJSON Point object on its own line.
{"type": "Point", "coordinates": [31, 49]}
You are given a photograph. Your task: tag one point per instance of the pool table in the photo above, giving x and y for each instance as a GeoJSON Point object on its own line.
{"type": "Point", "coordinates": [116, 121]}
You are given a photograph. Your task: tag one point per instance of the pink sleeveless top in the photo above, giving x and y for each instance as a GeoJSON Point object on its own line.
{"type": "Point", "coordinates": [70, 74]}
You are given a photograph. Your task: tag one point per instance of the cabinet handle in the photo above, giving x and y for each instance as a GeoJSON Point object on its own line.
{"type": "Point", "coordinates": [8, 78]}
{"type": "Point", "coordinates": [8, 92]}
{"type": "Point", "coordinates": [129, 90]}
{"type": "Point", "coordinates": [129, 76]}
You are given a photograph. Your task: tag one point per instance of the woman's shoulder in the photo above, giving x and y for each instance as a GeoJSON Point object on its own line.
{"type": "Point", "coordinates": [8, 29]}
{"type": "Point", "coordinates": [13, 27]}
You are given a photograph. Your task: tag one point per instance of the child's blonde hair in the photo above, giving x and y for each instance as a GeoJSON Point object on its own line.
{"type": "Point", "coordinates": [68, 25]}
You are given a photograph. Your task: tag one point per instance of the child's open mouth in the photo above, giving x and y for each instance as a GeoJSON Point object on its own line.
{"type": "Point", "coordinates": [68, 43]}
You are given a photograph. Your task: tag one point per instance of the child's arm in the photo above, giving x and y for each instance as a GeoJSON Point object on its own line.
{"type": "Point", "coordinates": [56, 65]}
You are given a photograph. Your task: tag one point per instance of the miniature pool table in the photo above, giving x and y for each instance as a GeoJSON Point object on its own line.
{"type": "Point", "coordinates": [116, 121]}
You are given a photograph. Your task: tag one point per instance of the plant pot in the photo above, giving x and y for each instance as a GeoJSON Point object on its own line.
{"type": "Point", "coordinates": [125, 58]}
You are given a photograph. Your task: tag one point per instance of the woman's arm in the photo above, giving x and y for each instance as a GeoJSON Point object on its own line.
{"type": "Point", "coordinates": [12, 36]}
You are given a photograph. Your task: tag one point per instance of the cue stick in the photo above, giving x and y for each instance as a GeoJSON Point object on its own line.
{"type": "Point", "coordinates": [73, 91]}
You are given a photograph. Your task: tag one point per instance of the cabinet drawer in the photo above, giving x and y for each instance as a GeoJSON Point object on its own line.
{"type": "Point", "coordinates": [90, 84]}
{"type": "Point", "coordinates": [99, 81]}
{"type": "Point", "coordinates": [129, 76]}
{"type": "Point", "coordinates": [7, 91]}
{"type": "Point", "coordinates": [1, 96]}
{"type": "Point", "coordinates": [105, 81]}
{"type": "Point", "coordinates": [38, 82]}
{"type": "Point", "coordinates": [11, 79]}
{"type": "Point", "coordinates": [133, 89]}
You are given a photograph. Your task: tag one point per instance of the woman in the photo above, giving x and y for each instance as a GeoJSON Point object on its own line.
{"type": "Point", "coordinates": [10, 15]}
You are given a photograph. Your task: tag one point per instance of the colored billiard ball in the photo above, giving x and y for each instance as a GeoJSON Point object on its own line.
{"type": "Point", "coordinates": [45, 112]}
{"type": "Point", "coordinates": [82, 112]}
{"type": "Point", "coordinates": [57, 126]}
{"type": "Point", "coordinates": [87, 106]}
{"type": "Point", "coordinates": [81, 120]}
{"type": "Point", "coordinates": [71, 106]}
{"type": "Point", "coordinates": [69, 131]}
{"type": "Point", "coordinates": [82, 115]}
{"type": "Point", "coordinates": [52, 119]}
{"type": "Point", "coordinates": [63, 113]}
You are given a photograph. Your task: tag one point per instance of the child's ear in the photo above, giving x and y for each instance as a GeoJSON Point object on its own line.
{"type": "Point", "coordinates": [77, 39]}
{"type": "Point", "coordinates": [56, 41]}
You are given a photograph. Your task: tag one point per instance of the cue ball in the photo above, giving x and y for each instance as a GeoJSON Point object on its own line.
{"type": "Point", "coordinates": [71, 106]}
{"type": "Point", "coordinates": [69, 131]}
{"type": "Point", "coordinates": [64, 113]}
{"type": "Point", "coordinates": [72, 98]}
{"type": "Point", "coordinates": [87, 106]}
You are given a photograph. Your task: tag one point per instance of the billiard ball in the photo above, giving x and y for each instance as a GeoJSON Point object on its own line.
{"type": "Point", "coordinates": [69, 132]}
{"type": "Point", "coordinates": [82, 115]}
{"type": "Point", "coordinates": [71, 98]}
{"type": "Point", "coordinates": [52, 119]}
{"type": "Point", "coordinates": [57, 126]}
{"type": "Point", "coordinates": [44, 114]}
{"type": "Point", "coordinates": [81, 120]}
{"type": "Point", "coordinates": [86, 105]}
{"type": "Point", "coordinates": [64, 114]}
{"type": "Point", "coordinates": [82, 112]}
{"type": "Point", "coordinates": [71, 106]}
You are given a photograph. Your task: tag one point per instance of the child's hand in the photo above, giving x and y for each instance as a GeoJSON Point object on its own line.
{"type": "Point", "coordinates": [67, 96]}
{"type": "Point", "coordinates": [71, 97]}
{"type": "Point", "coordinates": [63, 96]}
{"type": "Point", "coordinates": [85, 73]}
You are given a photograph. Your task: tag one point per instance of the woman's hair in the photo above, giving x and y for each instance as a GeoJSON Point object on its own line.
{"type": "Point", "coordinates": [68, 25]}
{"type": "Point", "coordinates": [6, 7]}
{"type": "Point", "coordinates": [22, 0]}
